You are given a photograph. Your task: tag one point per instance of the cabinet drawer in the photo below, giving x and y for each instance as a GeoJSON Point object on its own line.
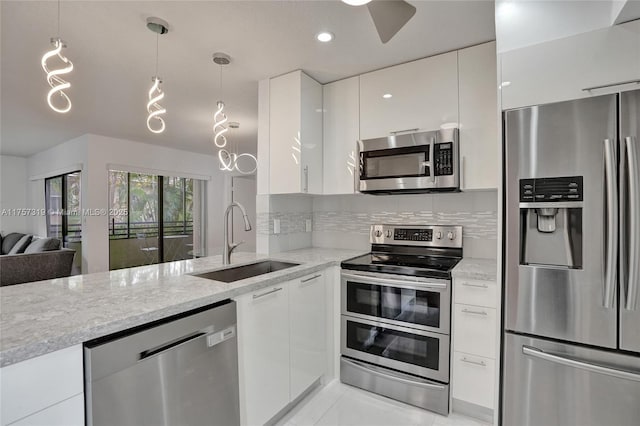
{"type": "Point", "coordinates": [474, 330]}
{"type": "Point", "coordinates": [32, 385]}
{"type": "Point", "coordinates": [473, 379]}
{"type": "Point", "coordinates": [476, 292]}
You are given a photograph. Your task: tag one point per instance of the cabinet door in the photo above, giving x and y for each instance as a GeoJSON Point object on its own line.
{"type": "Point", "coordinates": [263, 345]}
{"type": "Point", "coordinates": [311, 134]}
{"type": "Point", "coordinates": [341, 131]}
{"type": "Point", "coordinates": [424, 95]}
{"type": "Point", "coordinates": [69, 412]}
{"type": "Point", "coordinates": [308, 332]}
{"type": "Point", "coordinates": [560, 70]}
{"type": "Point", "coordinates": [285, 146]}
{"type": "Point", "coordinates": [479, 143]}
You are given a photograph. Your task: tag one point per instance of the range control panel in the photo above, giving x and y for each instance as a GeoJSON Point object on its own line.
{"type": "Point", "coordinates": [408, 234]}
{"type": "Point", "coordinates": [551, 189]}
{"type": "Point", "coordinates": [417, 235]}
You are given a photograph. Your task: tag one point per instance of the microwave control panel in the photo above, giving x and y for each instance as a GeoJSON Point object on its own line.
{"type": "Point", "coordinates": [443, 153]}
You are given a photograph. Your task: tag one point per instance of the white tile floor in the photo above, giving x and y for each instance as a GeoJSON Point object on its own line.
{"type": "Point", "coordinates": [338, 404]}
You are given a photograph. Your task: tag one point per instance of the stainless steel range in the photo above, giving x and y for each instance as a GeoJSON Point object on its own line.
{"type": "Point", "coordinates": [396, 314]}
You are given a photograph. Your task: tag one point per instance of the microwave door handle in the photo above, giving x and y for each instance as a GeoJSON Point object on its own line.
{"type": "Point", "coordinates": [633, 189]}
{"type": "Point", "coordinates": [611, 225]}
{"type": "Point", "coordinates": [432, 162]}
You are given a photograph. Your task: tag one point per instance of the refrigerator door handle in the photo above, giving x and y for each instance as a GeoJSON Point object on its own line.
{"type": "Point", "coordinates": [587, 366]}
{"type": "Point", "coordinates": [612, 223]}
{"type": "Point", "coordinates": [633, 230]}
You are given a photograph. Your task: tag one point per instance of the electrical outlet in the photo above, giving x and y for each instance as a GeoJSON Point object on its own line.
{"type": "Point", "coordinates": [276, 226]}
{"type": "Point", "coordinates": [308, 225]}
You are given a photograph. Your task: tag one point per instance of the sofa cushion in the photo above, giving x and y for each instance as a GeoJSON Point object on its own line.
{"type": "Point", "coordinates": [9, 241]}
{"type": "Point", "coordinates": [42, 244]}
{"type": "Point", "coordinates": [21, 245]}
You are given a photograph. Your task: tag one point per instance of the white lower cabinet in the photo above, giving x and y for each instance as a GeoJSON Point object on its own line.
{"type": "Point", "coordinates": [474, 378]}
{"type": "Point", "coordinates": [281, 345]}
{"type": "Point", "coordinates": [307, 328]}
{"type": "Point", "coordinates": [47, 389]}
{"type": "Point", "coordinates": [263, 347]}
{"type": "Point", "coordinates": [474, 352]}
{"type": "Point", "coordinates": [66, 413]}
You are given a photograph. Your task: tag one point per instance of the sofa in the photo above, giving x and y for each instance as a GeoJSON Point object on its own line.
{"type": "Point", "coordinates": [25, 258]}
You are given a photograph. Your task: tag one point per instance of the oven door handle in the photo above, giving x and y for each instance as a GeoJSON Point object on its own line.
{"type": "Point", "coordinates": [391, 281]}
{"type": "Point", "coordinates": [373, 370]}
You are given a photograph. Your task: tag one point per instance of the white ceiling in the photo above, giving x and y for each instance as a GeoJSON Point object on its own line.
{"type": "Point", "coordinates": [114, 57]}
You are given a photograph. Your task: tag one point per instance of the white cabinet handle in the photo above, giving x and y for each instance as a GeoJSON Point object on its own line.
{"type": "Point", "coordinates": [469, 361]}
{"type": "Point", "coordinates": [306, 280]}
{"type": "Point", "coordinates": [466, 284]}
{"type": "Point", "coordinates": [469, 311]}
{"type": "Point", "coordinates": [257, 296]}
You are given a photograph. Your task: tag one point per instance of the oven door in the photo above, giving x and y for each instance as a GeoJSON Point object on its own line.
{"type": "Point", "coordinates": [424, 304]}
{"type": "Point", "coordinates": [404, 349]}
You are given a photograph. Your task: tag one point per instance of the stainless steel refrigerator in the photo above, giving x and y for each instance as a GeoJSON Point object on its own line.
{"type": "Point", "coordinates": [572, 278]}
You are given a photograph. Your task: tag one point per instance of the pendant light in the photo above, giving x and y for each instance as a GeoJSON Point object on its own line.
{"type": "Point", "coordinates": [155, 123]}
{"type": "Point", "coordinates": [228, 160]}
{"type": "Point", "coordinates": [62, 104]}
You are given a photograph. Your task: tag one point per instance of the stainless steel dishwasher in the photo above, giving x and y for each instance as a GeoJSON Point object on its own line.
{"type": "Point", "coordinates": [182, 371]}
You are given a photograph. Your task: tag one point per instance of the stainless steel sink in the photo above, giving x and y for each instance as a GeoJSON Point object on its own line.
{"type": "Point", "coordinates": [238, 273]}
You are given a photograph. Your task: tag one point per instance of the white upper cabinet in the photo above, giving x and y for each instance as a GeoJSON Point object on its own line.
{"type": "Point", "coordinates": [479, 143]}
{"type": "Point", "coordinates": [341, 132]}
{"type": "Point", "coordinates": [295, 135]}
{"type": "Point", "coordinates": [424, 95]}
{"type": "Point", "coordinates": [562, 69]}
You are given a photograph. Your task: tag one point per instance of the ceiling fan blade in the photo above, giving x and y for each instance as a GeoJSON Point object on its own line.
{"type": "Point", "coordinates": [389, 16]}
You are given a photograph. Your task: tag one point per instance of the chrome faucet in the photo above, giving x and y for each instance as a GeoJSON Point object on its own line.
{"type": "Point", "coordinates": [228, 248]}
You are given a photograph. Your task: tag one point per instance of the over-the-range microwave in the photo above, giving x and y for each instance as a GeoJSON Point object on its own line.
{"type": "Point", "coordinates": [409, 163]}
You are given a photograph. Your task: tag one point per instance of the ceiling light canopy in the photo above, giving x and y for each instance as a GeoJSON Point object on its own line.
{"type": "Point", "coordinates": [155, 123]}
{"type": "Point", "coordinates": [356, 2]}
{"type": "Point", "coordinates": [324, 37]}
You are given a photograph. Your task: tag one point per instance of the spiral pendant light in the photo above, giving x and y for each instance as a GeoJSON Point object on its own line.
{"type": "Point", "coordinates": [56, 97]}
{"type": "Point", "coordinates": [229, 161]}
{"type": "Point", "coordinates": [155, 122]}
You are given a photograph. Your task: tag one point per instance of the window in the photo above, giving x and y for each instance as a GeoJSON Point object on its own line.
{"type": "Point", "coordinates": [64, 219]}
{"type": "Point", "coordinates": [152, 219]}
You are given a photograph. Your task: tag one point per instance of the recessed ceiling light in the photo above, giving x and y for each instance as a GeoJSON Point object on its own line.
{"type": "Point", "coordinates": [356, 2]}
{"type": "Point", "coordinates": [324, 36]}
{"type": "Point", "coordinates": [505, 84]}
{"type": "Point", "coordinates": [387, 95]}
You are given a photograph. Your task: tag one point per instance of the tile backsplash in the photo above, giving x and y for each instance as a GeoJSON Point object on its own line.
{"type": "Point", "coordinates": [342, 221]}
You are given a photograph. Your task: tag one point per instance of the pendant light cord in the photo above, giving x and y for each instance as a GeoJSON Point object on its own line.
{"type": "Point", "coordinates": [58, 18]}
{"type": "Point", "coordinates": [157, 52]}
{"type": "Point", "coordinates": [221, 97]}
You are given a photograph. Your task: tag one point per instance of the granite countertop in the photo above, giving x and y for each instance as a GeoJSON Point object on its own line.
{"type": "Point", "coordinates": [45, 316]}
{"type": "Point", "coordinates": [477, 269]}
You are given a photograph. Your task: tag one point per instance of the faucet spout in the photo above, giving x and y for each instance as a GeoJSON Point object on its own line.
{"type": "Point", "coordinates": [229, 247]}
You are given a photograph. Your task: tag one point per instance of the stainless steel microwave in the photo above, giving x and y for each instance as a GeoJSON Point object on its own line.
{"type": "Point", "coordinates": [410, 163]}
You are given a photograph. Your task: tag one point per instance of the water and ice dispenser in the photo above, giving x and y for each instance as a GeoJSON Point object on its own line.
{"type": "Point", "coordinates": [551, 222]}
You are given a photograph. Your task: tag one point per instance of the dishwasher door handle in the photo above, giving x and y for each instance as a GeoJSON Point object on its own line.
{"type": "Point", "coordinates": [170, 345]}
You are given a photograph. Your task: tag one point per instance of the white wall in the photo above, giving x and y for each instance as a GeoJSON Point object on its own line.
{"type": "Point", "coordinates": [13, 194]}
{"type": "Point", "coordinates": [96, 154]}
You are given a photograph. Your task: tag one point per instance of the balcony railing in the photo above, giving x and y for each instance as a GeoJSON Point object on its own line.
{"type": "Point", "coordinates": [122, 230]}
